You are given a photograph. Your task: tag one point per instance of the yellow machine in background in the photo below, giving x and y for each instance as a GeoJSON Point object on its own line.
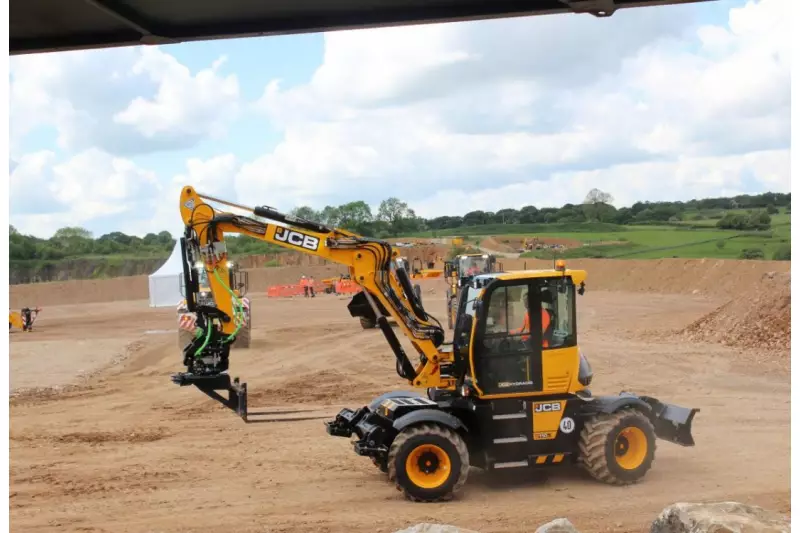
{"type": "Point", "coordinates": [458, 271]}
{"type": "Point", "coordinates": [23, 319]}
{"type": "Point", "coordinates": [511, 391]}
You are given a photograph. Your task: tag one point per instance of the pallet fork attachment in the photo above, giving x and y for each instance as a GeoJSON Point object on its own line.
{"type": "Point", "coordinates": [237, 398]}
{"type": "Point", "coordinates": [209, 385]}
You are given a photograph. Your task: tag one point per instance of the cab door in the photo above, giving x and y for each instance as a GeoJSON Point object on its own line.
{"type": "Point", "coordinates": [507, 351]}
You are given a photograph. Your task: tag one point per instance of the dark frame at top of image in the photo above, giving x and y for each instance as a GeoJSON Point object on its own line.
{"type": "Point", "coordinates": [37, 26]}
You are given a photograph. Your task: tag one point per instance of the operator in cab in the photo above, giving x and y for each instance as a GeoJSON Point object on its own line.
{"type": "Point", "coordinates": [547, 305]}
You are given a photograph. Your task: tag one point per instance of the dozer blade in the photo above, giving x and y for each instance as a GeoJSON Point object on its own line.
{"type": "Point", "coordinates": [672, 422]}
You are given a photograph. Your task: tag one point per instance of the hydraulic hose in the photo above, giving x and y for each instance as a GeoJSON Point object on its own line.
{"type": "Point", "coordinates": [238, 308]}
{"type": "Point", "coordinates": [239, 317]}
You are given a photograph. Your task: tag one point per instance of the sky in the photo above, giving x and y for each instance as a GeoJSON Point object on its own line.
{"type": "Point", "coordinates": [656, 103]}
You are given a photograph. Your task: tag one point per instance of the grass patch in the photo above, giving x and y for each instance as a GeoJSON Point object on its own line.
{"type": "Point", "coordinates": [657, 243]}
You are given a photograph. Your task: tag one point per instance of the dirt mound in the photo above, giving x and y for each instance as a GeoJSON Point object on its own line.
{"type": "Point", "coordinates": [517, 243]}
{"type": "Point", "coordinates": [136, 287]}
{"type": "Point", "coordinates": [758, 318]}
{"type": "Point", "coordinates": [708, 277]}
{"type": "Point", "coordinates": [501, 245]}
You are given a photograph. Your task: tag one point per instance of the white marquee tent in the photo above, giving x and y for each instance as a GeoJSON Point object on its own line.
{"type": "Point", "coordinates": [166, 282]}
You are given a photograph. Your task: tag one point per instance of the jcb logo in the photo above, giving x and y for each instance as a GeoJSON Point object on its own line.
{"type": "Point", "coordinates": [546, 407]}
{"type": "Point", "coordinates": [295, 238]}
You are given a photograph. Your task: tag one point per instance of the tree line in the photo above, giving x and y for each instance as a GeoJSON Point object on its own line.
{"type": "Point", "coordinates": [394, 217]}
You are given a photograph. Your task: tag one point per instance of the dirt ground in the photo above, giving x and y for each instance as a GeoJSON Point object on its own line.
{"type": "Point", "coordinates": [116, 447]}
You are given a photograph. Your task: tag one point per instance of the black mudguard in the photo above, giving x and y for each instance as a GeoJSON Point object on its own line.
{"type": "Point", "coordinates": [428, 415]}
{"type": "Point", "coordinates": [671, 422]}
{"type": "Point", "coordinates": [393, 394]}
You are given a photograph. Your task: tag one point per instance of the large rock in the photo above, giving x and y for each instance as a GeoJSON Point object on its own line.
{"type": "Point", "coordinates": [559, 525]}
{"type": "Point", "coordinates": [435, 528]}
{"type": "Point", "coordinates": [722, 517]}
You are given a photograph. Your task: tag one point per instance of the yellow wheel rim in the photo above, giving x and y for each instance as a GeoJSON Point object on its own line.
{"type": "Point", "coordinates": [428, 466]}
{"type": "Point", "coordinates": [630, 448]}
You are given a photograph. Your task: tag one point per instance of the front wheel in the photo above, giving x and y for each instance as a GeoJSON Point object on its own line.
{"type": "Point", "coordinates": [618, 448]}
{"type": "Point", "coordinates": [428, 463]}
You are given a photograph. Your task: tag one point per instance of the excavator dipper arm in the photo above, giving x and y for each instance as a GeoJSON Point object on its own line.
{"type": "Point", "coordinates": [369, 261]}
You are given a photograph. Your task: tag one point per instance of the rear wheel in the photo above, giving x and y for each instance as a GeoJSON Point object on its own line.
{"type": "Point", "coordinates": [618, 448]}
{"type": "Point", "coordinates": [428, 463]}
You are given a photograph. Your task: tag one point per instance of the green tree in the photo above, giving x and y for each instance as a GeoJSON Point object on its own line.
{"type": "Point", "coordinates": [72, 232]}
{"type": "Point", "coordinates": [306, 213]}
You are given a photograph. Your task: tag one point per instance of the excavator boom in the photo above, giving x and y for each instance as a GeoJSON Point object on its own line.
{"type": "Point", "coordinates": [369, 261]}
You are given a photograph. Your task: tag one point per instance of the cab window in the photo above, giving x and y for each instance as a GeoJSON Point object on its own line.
{"type": "Point", "coordinates": [506, 347]}
{"type": "Point", "coordinates": [558, 310]}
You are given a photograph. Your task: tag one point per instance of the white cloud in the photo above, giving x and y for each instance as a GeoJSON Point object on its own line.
{"type": "Point", "coordinates": [124, 101]}
{"type": "Point", "coordinates": [647, 105]}
{"type": "Point", "coordinates": [515, 106]}
{"type": "Point", "coordinates": [90, 186]}
{"type": "Point", "coordinates": [687, 178]}
{"type": "Point", "coordinates": [215, 177]}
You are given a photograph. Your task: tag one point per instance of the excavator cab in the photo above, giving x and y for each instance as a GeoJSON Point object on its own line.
{"type": "Point", "coordinates": [507, 353]}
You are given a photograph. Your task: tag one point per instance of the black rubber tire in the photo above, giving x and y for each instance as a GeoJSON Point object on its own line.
{"type": "Point", "coordinates": [366, 323]}
{"type": "Point", "coordinates": [428, 433]}
{"type": "Point", "coordinates": [597, 446]}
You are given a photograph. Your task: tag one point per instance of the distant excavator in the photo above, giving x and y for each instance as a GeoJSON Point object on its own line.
{"type": "Point", "coordinates": [23, 319]}
{"type": "Point", "coordinates": [458, 273]}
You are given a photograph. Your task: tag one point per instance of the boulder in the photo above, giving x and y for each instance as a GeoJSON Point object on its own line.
{"type": "Point", "coordinates": [721, 517]}
{"type": "Point", "coordinates": [559, 525]}
{"type": "Point", "coordinates": [435, 528]}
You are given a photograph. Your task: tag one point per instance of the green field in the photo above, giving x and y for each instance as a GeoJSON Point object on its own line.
{"type": "Point", "coordinates": [657, 242]}
{"type": "Point", "coordinates": [640, 242]}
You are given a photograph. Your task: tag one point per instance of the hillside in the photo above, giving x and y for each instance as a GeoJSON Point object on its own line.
{"type": "Point", "coordinates": [743, 227]}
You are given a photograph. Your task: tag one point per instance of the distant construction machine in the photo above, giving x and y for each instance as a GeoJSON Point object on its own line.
{"type": "Point", "coordinates": [511, 391]}
{"type": "Point", "coordinates": [459, 271]}
{"type": "Point", "coordinates": [23, 319]}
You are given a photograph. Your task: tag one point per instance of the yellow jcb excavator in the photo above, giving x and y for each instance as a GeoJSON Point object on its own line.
{"type": "Point", "coordinates": [502, 395]}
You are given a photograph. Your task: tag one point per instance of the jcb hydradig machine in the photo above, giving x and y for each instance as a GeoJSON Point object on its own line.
{"type": "Point", "coordinates": [511, 391]}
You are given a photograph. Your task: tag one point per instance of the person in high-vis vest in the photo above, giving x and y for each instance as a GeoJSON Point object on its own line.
{"type": "Point", "coordinates": [547, 298]}
{"type": "Point", "coordinates": [304, 284]}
